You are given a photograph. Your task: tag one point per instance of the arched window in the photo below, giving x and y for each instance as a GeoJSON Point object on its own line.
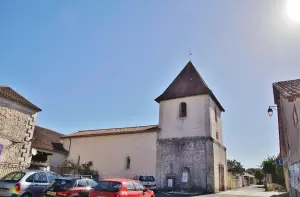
{"type": "Point", "coordinates": [182, 110]}
{"type": "Point", "coordinates": [127, 163]}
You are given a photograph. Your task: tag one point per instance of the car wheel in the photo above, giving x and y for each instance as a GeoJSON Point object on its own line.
{"type": "Point", "coordinates": [26, 195]}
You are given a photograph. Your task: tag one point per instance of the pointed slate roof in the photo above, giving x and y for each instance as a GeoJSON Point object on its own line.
{"type": "Point", "coordinates": [8, 93]}
{"type": "Point", "coordinates": [187, 83]}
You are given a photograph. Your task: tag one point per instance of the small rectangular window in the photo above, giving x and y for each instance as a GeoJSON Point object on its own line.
{"type": "Point", "coordinates": [216, 114]}
{"type": "Point", "coordinates": [182, 110]}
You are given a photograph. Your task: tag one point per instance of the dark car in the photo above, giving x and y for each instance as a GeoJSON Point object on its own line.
{"type": "Point", "coordinates": [70, 186]}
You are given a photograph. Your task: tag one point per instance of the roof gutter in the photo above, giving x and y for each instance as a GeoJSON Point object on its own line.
{"type": "Point", "coordinates": [106, 134]}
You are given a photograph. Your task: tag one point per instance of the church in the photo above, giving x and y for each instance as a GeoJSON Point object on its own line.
{"type": "Point", "coordinates": [184, 151]}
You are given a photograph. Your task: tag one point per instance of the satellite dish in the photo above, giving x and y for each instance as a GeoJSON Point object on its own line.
{"type": "Point", "coordinates": [33, 151]}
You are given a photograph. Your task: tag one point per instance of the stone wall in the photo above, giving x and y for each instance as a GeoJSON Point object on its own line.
{"type": "Point", "coordinates": [191, 154]}
{"type": "Point", "coordinates": [17, 127]}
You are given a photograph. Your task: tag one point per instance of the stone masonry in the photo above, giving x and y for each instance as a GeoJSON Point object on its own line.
{"type": "Point", "coordinates": [18, 128]}
{"type": "Point", "coordinates": [194, 154]}
{"type": "Point", "coordinates": [17, 121]}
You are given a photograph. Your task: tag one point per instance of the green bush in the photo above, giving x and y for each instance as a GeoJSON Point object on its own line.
{"type": "Point", "coordinates": [275, 187]}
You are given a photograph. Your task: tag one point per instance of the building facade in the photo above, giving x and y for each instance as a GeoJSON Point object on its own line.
{"type": "Point", "coordinates": [17, 122]}
{"type": "Point", "coordinates": [287, 99]}
{"type": "Point", "coordinates": [190, 151]}
{"type": "Point", "coordinates": [184, 151]}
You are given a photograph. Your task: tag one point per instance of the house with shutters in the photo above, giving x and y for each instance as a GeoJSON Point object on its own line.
{"type": "Point", "coordinates": [184, 151]}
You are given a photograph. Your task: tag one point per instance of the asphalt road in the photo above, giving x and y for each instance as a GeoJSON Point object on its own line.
{"type": "Point", "coordinates": [251, 191]}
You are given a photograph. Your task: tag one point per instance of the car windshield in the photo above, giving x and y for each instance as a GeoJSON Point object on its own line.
{"type": "Point", "coordinates": [109, 186]}
{"type": "Point", "coordinates": [146, 178]}
{"type": "Point", "coordinates": [13, 177]}
{"type": "Point", "coordinates": [61, 184]}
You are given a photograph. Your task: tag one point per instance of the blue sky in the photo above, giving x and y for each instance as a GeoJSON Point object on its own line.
{"type": "Point", "coordinates": [100, 64]}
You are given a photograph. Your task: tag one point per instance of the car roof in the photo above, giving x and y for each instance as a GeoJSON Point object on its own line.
{"type": "Point", "coordinates": [119, 180]}
{"type": "Point", "coordinates": [33, 171]}
{"type": "Point", "coordinates": [68, 178]}
{"type": "Point", "coordinates": [73, 177]}
{"type": "Point", "coordinates": [144, 175]}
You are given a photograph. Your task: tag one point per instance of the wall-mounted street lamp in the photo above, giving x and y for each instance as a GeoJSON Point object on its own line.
{"type": "Point", "coordinates": [270, 110]}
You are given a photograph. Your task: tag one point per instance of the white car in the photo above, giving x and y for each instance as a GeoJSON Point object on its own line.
{"type": "Point", "coordinates": [148, 181]}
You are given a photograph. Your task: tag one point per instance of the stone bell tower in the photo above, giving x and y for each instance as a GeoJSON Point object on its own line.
{"type": "Point", "coordinates": [190, 151]}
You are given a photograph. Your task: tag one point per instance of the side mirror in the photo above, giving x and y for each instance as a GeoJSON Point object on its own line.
{"type": "Point", "coordinates": [145, 190]}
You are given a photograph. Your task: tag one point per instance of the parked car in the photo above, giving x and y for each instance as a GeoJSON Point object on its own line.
{"type": "Point", "coordinates": [120, 188]}
{"type": "Point", "coordinates": [148, 181]}
{"type": "Point", "coordinates": [70, 186]}
{"type": "Point", "coordinates": [27, 183]}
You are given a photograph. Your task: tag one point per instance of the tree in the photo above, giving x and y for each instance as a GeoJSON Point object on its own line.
{"type": "Point", "coordinates": [252, 170]}
{"type": "Point", "coordinates": [259, 175]}
{"type": "Point", "coordinates": [235, 167]}
{"type": "Point", "coordinates": [257, 172]}
{"type": "Point", "coordinates": [269, 167]}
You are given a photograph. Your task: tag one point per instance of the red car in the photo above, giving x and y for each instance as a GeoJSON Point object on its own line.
{"type": "Point", "coordinates": [120, 188]}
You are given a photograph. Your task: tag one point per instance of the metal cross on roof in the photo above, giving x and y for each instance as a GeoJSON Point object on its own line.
{"type": "Point", "coordinates": [190, 55]}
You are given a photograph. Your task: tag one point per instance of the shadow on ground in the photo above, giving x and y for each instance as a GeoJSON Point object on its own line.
{"type": "Point", "coordinates": [281, 195]}
{"type": "Point", "coordinates": [162, 194]}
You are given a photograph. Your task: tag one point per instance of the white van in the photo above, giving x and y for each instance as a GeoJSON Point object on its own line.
{"type": "Point", "coordinates": [146, 180]}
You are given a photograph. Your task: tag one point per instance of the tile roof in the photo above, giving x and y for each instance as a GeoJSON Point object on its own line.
{"type": "Point", "coordinates": [8, 93]}
{"type": "Point", "coordinates": [288, 89]}
{"type": "Point", "coordinates": [187, 83]}
{"type": "Point", "coordinates": [47, 139]}
{"type": "Point", "coordinates": [114, 131]}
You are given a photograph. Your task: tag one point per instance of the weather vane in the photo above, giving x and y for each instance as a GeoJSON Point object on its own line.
{"type": "Point", "coordinates": [190, 54]}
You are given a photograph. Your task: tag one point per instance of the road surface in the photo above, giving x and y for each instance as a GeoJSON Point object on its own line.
{"type": "Point", "coordinates": [251, 191]}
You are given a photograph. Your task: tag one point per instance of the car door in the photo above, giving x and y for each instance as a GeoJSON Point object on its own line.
{"type": "Point", "coordinates": [140, 190]}
{"type": "Point", "coordinates": [131, 189]}
{"type": "Point", "coordinates": [40, 182]}
{"type": "Point", "coordinates": [90, 184]}
{"type": "Point", "coordinates": [29, 184]}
